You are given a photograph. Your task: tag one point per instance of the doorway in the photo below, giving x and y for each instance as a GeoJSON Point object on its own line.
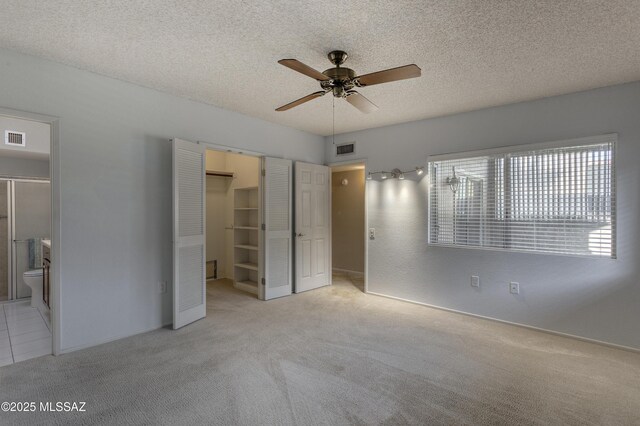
{"type": "Point", "coordinates": [261, 245]}
{"type": "Point", "coordinates": [348, 224]}
{"type": "Point", "coordinates": [233, 254]}
{"type": "Point", "coordinates": [313, 226]}
{"type": "Point", "coordinates": [25, 240]}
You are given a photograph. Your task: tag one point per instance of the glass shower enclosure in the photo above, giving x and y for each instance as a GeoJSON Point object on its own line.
{"type": "Point", "coordinates": [25, 219]}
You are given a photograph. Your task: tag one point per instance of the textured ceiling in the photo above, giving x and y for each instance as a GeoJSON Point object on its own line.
{"type": "Point", "coordinates": [473, 53]}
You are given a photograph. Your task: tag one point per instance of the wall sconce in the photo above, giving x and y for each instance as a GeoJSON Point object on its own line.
{"type": "Point", "coordinates": [453, 182]}
{"type": "Point", "coordinates": [395, 173]}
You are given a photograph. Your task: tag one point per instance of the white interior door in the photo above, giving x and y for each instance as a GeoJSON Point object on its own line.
{"type": "Point", "coordinates": [312, 226]}
{"type": "Point", "coordinates": [189, 258]}
{"type": "Point", "coordinates": [277, 241]}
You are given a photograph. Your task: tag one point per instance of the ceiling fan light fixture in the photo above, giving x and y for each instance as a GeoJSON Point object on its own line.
{"type": "Point", "coordinates": [341, 80]}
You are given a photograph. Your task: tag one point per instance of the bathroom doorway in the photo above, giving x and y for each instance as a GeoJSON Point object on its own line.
{"type": "Point", "coordinates": [25, 239]}
{"type": "Point", "coordinates": [348, 224]}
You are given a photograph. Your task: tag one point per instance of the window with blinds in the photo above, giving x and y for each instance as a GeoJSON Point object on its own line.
{"type": "Point", "coordinates": [542, 199]}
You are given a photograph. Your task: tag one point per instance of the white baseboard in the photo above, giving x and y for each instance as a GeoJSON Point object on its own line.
{"type": "Point", "coordinates": [530, 327]}
{"type": "Point", "coordinates": [109, 340]}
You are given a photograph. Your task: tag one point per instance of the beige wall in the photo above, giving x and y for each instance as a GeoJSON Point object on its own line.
{"type": "Point", "coordinates": [220, 192]}
{"type": "Point", "coordinates": [347, 215]}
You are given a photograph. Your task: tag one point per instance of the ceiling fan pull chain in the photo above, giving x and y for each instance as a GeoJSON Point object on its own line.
{"type": "Point", "coordinates": [333, 114]}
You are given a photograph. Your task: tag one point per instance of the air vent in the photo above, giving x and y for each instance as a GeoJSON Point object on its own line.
{"type": "Point", "coordinates": [14, 138]}
{"type": "Point", "coordinates": [346, 148]}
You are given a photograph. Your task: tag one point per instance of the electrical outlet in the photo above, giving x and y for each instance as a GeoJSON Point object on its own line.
{"type": "Point", "coordinates": [372, 233]}
{"type": "Point", "coordinates": [475, 281]}
{"type": "Point", "coordinates": [162, 286]}
{"type": "Point", "coordinates": [514, 287]}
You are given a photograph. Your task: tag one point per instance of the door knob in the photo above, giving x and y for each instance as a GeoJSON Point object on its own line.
{"type": "Point", "coordinates": [300, 235]}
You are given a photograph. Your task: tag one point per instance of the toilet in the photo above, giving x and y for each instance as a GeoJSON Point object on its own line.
{"type": "Point", "coordinates": [33, 279]}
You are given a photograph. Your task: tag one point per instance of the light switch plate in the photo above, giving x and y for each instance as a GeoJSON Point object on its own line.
{"type": "Point", "coordinates": [475, 281]}
{"type": "Point", "coordinates": [514, 287]}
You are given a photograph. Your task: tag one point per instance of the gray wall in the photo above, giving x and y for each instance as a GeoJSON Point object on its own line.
{"type": "Point", "coordinates": [592, 298]}
{"type": "Point", "coordinates": [24, 167]}
{"type": "Point", "coordinates": [116, 186]}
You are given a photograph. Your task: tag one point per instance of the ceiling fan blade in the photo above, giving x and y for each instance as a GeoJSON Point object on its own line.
{"type": "Point", "coordinates": [301, 101]}
{"type": "Point", "coordinates": [296, 65]}
{"type": "Point", "coordinates": [393, 74]}
{"type": "Point", "coordinates": [360, 102]}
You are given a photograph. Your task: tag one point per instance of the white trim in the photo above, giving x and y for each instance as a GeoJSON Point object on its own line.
{"type": "Point", "coordinates": [230, 149]}
{"type": "Point", "coordinates": [517, 324]}
{"type": "Point", "coordinates": [25, 178]}
{"type": "Point", "coordinates": [347, 162]}
{"type": "Point", "coordinates": [113, 339]}
{"type": "Point", "coordinates": [589, 140]}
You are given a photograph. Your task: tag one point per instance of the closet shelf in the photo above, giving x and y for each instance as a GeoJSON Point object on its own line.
{"type": "Point", "coordinates": [246, 246]}
{"type": "Point", "coordinates": [221, 174]}
{"type": "Point", "coordinates": [246, 236]}
{"type": "Point", "coordinates": [250, 266]}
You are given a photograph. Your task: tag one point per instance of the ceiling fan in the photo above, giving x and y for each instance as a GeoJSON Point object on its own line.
{"type": "Point", "coordinates": [341, 81]}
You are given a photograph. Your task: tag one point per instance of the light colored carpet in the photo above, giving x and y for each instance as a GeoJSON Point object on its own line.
{"type": "Point", "coordinates": [332, 356]}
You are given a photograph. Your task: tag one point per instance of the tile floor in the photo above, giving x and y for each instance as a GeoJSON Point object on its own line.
{"type": "Point", "coordinates": [24, 334]}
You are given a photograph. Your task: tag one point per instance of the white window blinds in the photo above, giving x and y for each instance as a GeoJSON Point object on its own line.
{"type": "Point", "coordinates": [544, 199]}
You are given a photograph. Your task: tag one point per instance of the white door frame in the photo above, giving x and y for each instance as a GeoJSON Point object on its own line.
{"type": "Point", "coordinates": [234, 150]}
{"type": "Point", "coordinates": [366, 218]}
{"type": "Point", "coordinates": [55, 298]}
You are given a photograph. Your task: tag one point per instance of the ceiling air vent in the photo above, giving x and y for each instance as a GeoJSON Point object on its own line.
{"type": "Point", "coordinates": [346, 148]}
{"type": "Point", "coordinates": [14, 138]}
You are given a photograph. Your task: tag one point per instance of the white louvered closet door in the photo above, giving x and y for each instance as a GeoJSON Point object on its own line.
{"type": "Point", "coordinates": [277, 234]}
{"type": "Point", "coordinates": [189, 284]}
